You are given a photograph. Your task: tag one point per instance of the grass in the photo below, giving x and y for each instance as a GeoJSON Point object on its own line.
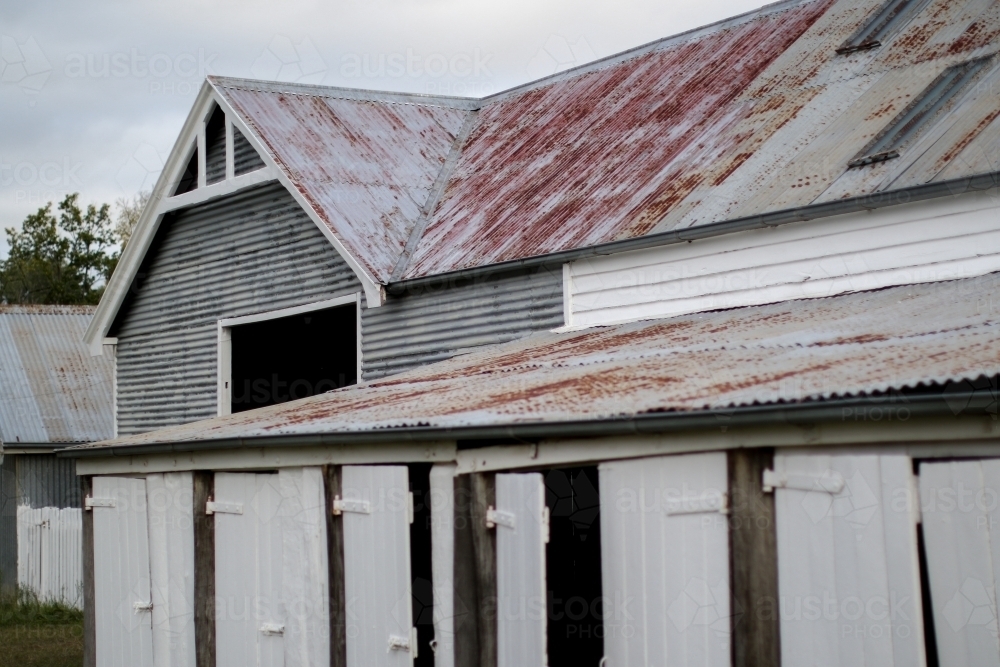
{"type": "Point", "coordinates": [39, 634]}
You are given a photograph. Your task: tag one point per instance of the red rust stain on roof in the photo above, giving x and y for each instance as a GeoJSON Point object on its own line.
{"type": "Point", "coordinates": [604, 154]}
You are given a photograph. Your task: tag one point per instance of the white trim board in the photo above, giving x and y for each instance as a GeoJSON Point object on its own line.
{"type": "Point", "coordinates": [190, 139]}
{"type": "Point", "coordinates": [225, 350]}
{"type": "Point", "coordinates": [943, 239]}
{"type": "Point", "coordinates": [270, 458]}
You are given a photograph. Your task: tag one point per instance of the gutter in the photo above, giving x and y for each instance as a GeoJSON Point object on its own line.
{"type": "Point", "coordinates": [971, 404]}
{"type": "Point", "coordinates": [870, 202]}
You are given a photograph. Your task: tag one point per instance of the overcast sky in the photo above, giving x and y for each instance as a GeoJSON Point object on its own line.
{"type": "Point", "coordinates": [93, 93]}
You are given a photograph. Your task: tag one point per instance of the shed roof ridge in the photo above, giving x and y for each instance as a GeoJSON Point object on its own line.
{"type": "Point", "coordinates": [345, 93]}
{"type": "Point", "coordinates": [434, 195]}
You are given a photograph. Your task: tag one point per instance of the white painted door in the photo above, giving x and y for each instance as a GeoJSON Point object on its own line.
{"type": "Point", "coordinates": [665, 561]}
{"type": "Point", "coordinates": [171, 560]}
{"type": "Point", "coordinates": [376, 513]}
{"type": "Point", "coordinates": [962, 541]}
{"type": "Point", "coordinates": [521, 519]}
{"type": "Point", "coordinates": [122, 592]}
{"type": "Point", "coordinates": [305, 588]}
{"type": "Point", "coordinates": [249, 623]}
{"type": "Point", "coordinates": [848, 567]}
{"type": "Point", "coordinates": [442, 504]}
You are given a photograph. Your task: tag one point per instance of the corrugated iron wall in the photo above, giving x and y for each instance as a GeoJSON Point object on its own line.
{"type": "Point", "coordinates": [215, 153]}
{"type": "Point", "coordinates": [245, 156]}
{"type": "Point", "coordinates": [250, 252]}
{"type": "Point", "coordinates": [44, 480]}
{"type": "Point", "coordinates": [436, 323]}
{"type": "Point", "coordinates": [8, 522]}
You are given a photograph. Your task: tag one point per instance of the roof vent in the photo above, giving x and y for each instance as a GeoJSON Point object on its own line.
{"type": "Point", "coordinates": [893, 15]}
{"type": "Point", "coordinates": [920, 113]}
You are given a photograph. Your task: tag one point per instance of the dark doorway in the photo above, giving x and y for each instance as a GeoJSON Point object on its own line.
{"type": "Point", "coordinates": [573, 568]}
{"type": "Point", "coordinates": [293, 357]}
{"type": "Point", "coordinates": [420, 563]}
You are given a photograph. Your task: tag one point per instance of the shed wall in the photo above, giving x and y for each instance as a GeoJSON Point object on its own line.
{"type": "Point", "coordinates": [44, 480]}
{"type": "Point", "coordinates": [438, 322]}
{"type": "Point", "coordinates": [250, 252]}
{"type": "Point", "coordinates": [8, 522]}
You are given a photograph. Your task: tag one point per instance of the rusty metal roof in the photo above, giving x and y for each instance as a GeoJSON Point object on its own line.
{"type": "Point", "coordinates": [849, 345]}
{"type": "Point", "coordinates": [752, 115]}
{"type": "Point", "coordinates": [757, 115]}
{"type": "Point", "coordinates": [365, 161]}
{"type": "Point", "coordinates": [51, 390]}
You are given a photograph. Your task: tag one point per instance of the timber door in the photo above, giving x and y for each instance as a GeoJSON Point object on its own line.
{"type": "Point", "coordinates": [122, 591]}
{"type": "Point", "coordinates": [665, 561]}
{"type": "Point", "coordinates": [961, 524]}
{"type": "Point", "coordinates": [848, 563]}
{"type": "Point", "coordinates": [376, 510]}
{"type": "Point", "coordinates": [271, 578]}
{"type": "Point", "coordinates": [521, 520]}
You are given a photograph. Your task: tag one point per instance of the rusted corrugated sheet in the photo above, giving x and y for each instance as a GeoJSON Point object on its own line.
{"type": "Point", "coordinates": [366, 165]}
{"type": "Point", "coordinates": [51, 389]}
{"type": "Point", "coordinates": [812, 349]}
{"type": "Point", "coordinates": [754, 115]}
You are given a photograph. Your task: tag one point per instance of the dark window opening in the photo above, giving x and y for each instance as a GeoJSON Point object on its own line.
{"type": "Point", "coordinates": [189, 180]}
{"type": "Point", "coordinates": [293, 357]}
{"type": "Point", "coordinates": [573, 568]}
{"type": "Point", "coordinates": [420, 563]}
{"type": "Point", "coordinates": [215, 147]}
{"type": "Point", "coordinates": [893, 16]}
{"type": "Point", "coordinates": [920, 113]}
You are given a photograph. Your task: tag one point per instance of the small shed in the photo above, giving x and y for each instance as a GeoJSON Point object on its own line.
{"type": "Point", "coordinates": [53, 394]}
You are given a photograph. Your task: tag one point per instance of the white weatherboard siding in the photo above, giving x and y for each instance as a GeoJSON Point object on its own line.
{"type": "Point", "coordinates": [922, 242]}
{"type": "Point", "coordinates": [665, 561]}
{"type": "Point", "coordinates": [521, 600]}
{"type": "Point", "coordinates": [377, 566]}
{"type": "Point", "coordinates": [442, 503]}
{"type": "Point", "coordinates": [962, 541]}
{"type": "Point", "coordinates": [171, 564]}
{"type": "Point", "coordinates": [248, 565]}
{"type": "Point", "coordinates": [50, 554]}
{"type": "Point", "coordinates": [122, 591]}
{"type": "Point", "coordinates": [848, 568]}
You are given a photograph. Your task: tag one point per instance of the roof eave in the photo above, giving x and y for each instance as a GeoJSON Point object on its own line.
{"type": "Point", "coordinates": [797, 414]}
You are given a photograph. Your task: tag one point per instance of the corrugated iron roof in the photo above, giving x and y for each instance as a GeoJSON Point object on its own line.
{"type": "Point", "coordinates": [365, 161]}
{"type": "Point", "coordinates": [756, 115]}
{"type": "Point", "coordinates": [847, 345]}
{"type": "Point", "coordinates": [51, 390]}
{"type": "Point", "coordinates": [753, 115]}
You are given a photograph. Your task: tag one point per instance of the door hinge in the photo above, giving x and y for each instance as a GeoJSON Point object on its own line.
{"type": "Point", "coordinates": [397, 643]}
{"type": "Point", "coordinates": [830, 481]}
{"type": "Point", "coordinates": [272, 629]}
{"type": "Point", "coordinates": [212, 507]}
{"type": "Point", "coordinates": [139, 607]}
{"type": "Point", "coordinates": [357, 506]}
{"type": "Point", "coordinates": [90, 503]}
{"type": "Point", "coordinates": [495, 517]}
{"type": "Point", "coordinates": [705, 503]}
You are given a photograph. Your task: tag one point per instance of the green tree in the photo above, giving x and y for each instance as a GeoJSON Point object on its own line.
{"type": "Point", "coordinates": [64, 260]}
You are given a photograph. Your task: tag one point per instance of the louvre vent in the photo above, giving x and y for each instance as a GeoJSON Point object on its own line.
{"type": "Point", "coordinates": [921, 113]}
{"type": "Point", "coordinates": [893, 15]}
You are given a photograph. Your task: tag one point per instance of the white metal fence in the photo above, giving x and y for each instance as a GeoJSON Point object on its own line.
{"type": "Point", "coordinates": [50, 553]}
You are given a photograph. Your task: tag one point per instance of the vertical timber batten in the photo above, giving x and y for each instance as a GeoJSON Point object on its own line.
{"type": "Point", "coordinates": [475, 572]}
{"type": "Point", "coordinates": [753, 561]}
{"type": "Point", "coordinates": [204, 570]}
{"type": "Point", "coordinates": [335, 545]}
